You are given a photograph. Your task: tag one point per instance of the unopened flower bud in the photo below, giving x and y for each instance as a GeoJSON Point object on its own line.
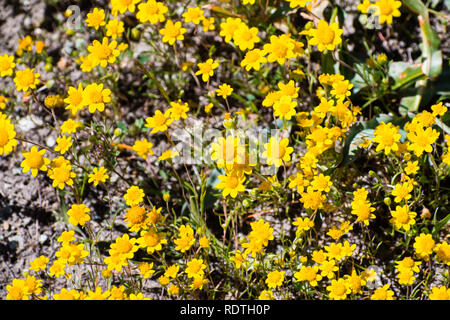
{"type": "Point", "coordinates": [426, 214]}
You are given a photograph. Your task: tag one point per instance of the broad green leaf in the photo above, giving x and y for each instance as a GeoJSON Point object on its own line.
{"type": "Point", "coordinates": [416, 6]}
{"type": "Point", "coordinates": [405, 74]}
{"type": "Point", "coordinates": [440, 225]}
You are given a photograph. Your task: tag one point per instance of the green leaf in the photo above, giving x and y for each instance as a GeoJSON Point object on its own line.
{"type": "Point", "coordinates": [405, 74]}
{"type": "Point", "coordinates": [122, 126]}
{"type": "Point", "coordinates": [416, 6]}
{"type": "Point", "coordinates": [440, 225]}
{"type": "Point", "coordinates": [432, 67]}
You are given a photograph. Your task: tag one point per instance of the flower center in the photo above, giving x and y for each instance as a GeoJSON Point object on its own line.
{"type": "Point", "coordinates": [123, 246]}
{"type": "Point", "coordinates": [4, 137]}
{"type": "Point", "coordinates": [62, 174]}
{"type": "Point", "coordinates": [35, 160]}
{"type": "Point", "coordinates": [27, 78]}
{"type": "Point", "coordinates": [284, 108]}
{"type": "Point", "coordinates": [325, 35]}
{"type": "Point", "coordinates": [403, 217]}
{"type": "Point", "coordinates": [232, 182]}
{"type": "Point", "coordinates": [136, 215]}
{"type": "Point", "coordinates": [159, 119]}
{"type": "Point", "coordinates": [96, 96]}
{"type": "Point", "coordinates": [340, 289]}
{"type": "Point", "coordinates": [4, 64]}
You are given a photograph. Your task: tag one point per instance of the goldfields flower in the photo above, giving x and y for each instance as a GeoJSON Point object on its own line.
{"type": "Point", "coordinates": [57, 269]}
{"type": "Point", "coordinates": [279, 49]}
{"type": "Point", "coordinates": [312, 199]}
{"type": "Point", "coordinates": [408, 263]}
{"type": "Point", "coordinates": [308, 273]}
{"type": "Point", "coordinates": [97, 294]}
{"type": "Point", "coordinates": [297, 3]}
{"type": "Point", "coordinates": [338, 290]}
{"type": "Point", "coordinates": [66, 237]}
{"type": "Point", "coordinates": [151, 11]}
{"type": "Point", "coordinates": [172, 32]}
{"type": "Point", "coordinates": [326, 37]}
{"type": "Point", "coordinates": [134, 196]}
{"type": "Point", "coordinates": [65, 294]}
{"type": "Point", "coordinates": [7, 136]}
{"type": "Point", "coordinates": [98, 175]}
{"type": "Point", "coordinates": [321, 183]}
{"type": "Point", "coordinates": [198, 282]}
{"type": "Point", "coordinates": [114, 28]}
{"type": "Point", "coordinates": [438, 109]}
{"type": "Point", "coordinates": [275, 279]}
{"type": "Point", "coordinates": [26, 79]}
{"type": "Point", "coordinates": [285, 108]}
{"type": "Point", "coordinates": [78, 214]}
{"type": "Point", "coordinates": [206, 69]}
{"type": "Point", "coordinates": [6, 65]}
{"type": "Point", "coordinates": [402, 191]}
{"type": "Point", "coordinates": [363, 210]}
{"type": "Point", "coordinates": [124, 246]}
{"type": "Point", "coordinates": [151, 241]}
{"type": "Point", "coordinates": [95, 97]}
{"type": "Point", "coordinates": [383, 293]}
{"type": "Point", "coordinates": [439, 293]}
{"type": "Point", "coordinates": [386, 10]}
{"type": "Point", "coordinates": [17, 290]}
{"type": "Point", "coordinates": [136, 218]}
{"type": "Point", "coordinates": [402, 218]}
{"type": "Point", "coordinates": [103, 52]}
{"type": "Point", "coordinates": [39, 264]}
{"type": "Point", "coordinates": [159, 122]}
{"type": "Point", "coordinates": [303, 224]}
{"type": "Point", "coordinates": [34, 161]}
{"type": "Point", "coordinates": [185, 238]}
{"type": "Point", "coordinates": [146, 269]}
{"type": "Point", "coordinates": [354, 282]}
{"type": "Point", "coordinates": [172, 271]}
{"type": "Point", "coordinates": [324, 107]}
{"type": "Point", "coordinates": [422, 140]}
{"type": "Point", "coordinates": [195, 267]}
{"type": "Point", "coordinates": [271, 98]}
{"type": "Point", "coordinates": [245, 37]}
{"type": "Point", "coordinates": [70, 126]}
{"type": "Point", "coordinates": [168, 154]}
{"type": "Point", "coordinates": [178, 110]}
{"type": "Point", "coordinates": [277, 152]}
{"type": "Point", "coordinates": [424, 245]}
{"type": "Point", "coordinates": [253, 59]}
{"type": "Point", "coordinates": [238, 259]}
{"type": "Point", "coordinates": [120, 6]}
{"type": "Point", "coordinates": [411, 167]}
{"type": "Point", "coordinates": [227, 152]}
{"type": "Point", "coordinates": [231, 184]}
{"type": "Point", "coordinates": [442, 251]}
{"type": "Point", "coordinates": [143, 148]}
{"type": "Point", "coordinates": [208, 24]}
{"type": "Point", "coordinates": [63, 144]}
{"type": "Point", "coordinates": [387, 137]}
{"type": "Point", "coordinates": [96, 18]}
{"type": "Point", "coordinates": [298, 181]}
{"type": "Point", "coordinates": [266, 295]}
{"type": "Point", "coordinates": [224, 90]}
{"type": "Point", "coordinates": [229, 27]}
{"type": "Point", "coordinates": [25, 44]}
{"type": "Point", "coordinates": [3, 101]}
{"type": "Point", "coordinates": [194, 15]}
{"type": "Point", "coordinates": [341, 89]}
